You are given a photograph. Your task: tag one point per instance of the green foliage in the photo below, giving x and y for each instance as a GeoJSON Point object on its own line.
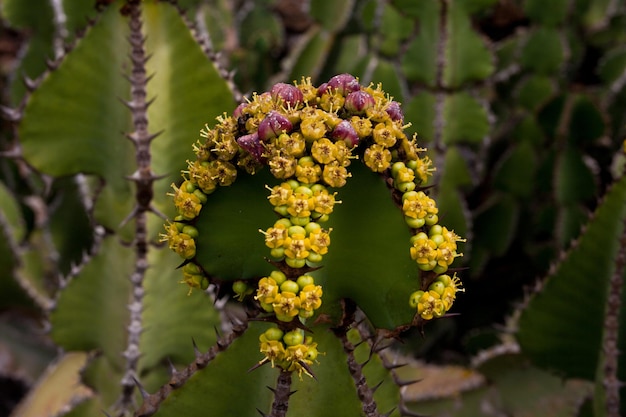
{"type": "Point", "coordinates": [522, 106]}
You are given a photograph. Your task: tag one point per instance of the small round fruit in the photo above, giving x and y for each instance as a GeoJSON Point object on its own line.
{"type": "Point", "coordinates": [293, 337]}
{"type": "Point", "coordinates": [289, 286]}
{"type": "Point", "coordinates": [304, 280]}
{"type": "Point", "coordinates": [274, 333]}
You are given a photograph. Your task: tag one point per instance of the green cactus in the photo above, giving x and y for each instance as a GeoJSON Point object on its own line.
{"type": "Point", "coordinates": [519, 104]}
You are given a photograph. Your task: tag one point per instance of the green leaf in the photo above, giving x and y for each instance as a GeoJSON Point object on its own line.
{"type": "Point", "coordinates": [261, 31]}
{"type": "Point", "coordinates": [226, 378]}
{"type": "Point", "coordinates": [368, 260]}
{"type": "Point", "coordinates": [394, 28]}
{"type": "Point", "coordinates": [466, 120]}
{"type": "Point", "coordinates": [172, 318]}
{"type": "Point", "coordinates": [561, 326]}
{"type": "Point", "coordinates": [100, 293]}
{"type": "Point", "coordinates": [467, 56]}
{"type": "Point", "coordinates": [543, 51]}
{"type": "Point", "coordinates": [587, 123]}
{"type": "Point", "coordinates": [452, 205]}
{"type": "Point", "coordinates": [495, 224]}
{"type": "Point", "coordinates": [313, 398]}
{"type": "Point", "coordinates": [535, 91]}
{"type": "Point", "coordinates": [188, 92]}
{"type": "Point", "coordinates": [332, 15]}
{"type": "Point", "coordinates": [420, 110]}
{"type": "Point", "coordinates": [573, 182]}
{"type": "Point", "coordinates": [387, 74]}
{"type": "Point", "coordinates": [547, 13]}
{"type": "Point", "coordinates": [36, 18]}
{"type": "Point", "coordinates": [229, 245]}
{"type": "Point", "coordinates": [612, 65]}
{"type": "Point", "coordinates": [308, 57]}
{"type": "Point", "coordinates": [62, 130]}
{"type": "Point", "coordinates": [77, 13]}
{"type": "Point", "coordinates": [369, 243]}
{"type": "Point", "coordinates": [419, 61]}
{"type": "Point", "coordinates": [69, 213]}
{"type": "Point", "coordinates": [515, 172]}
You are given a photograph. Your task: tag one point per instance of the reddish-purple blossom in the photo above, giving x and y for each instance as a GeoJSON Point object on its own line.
{"type": "Point", "coordinates": [253, 145]}
{"type": "Point", "coordinates": [344, 131]}
{"type": "Point", "coordinates": [344, 83]}
{"type": "Point", "coordinates": [394, 111]}
{"type": "Point", "coordinates": [358, 102]}
{"type": "Point", "coordinates": [273, 125]}
{"type": "Point", "coordinates": [290, 94]}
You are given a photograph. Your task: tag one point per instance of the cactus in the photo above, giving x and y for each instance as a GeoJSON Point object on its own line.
{"type": "Point", "coordinates": [518, 105]}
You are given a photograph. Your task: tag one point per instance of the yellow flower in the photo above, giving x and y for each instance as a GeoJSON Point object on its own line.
{"type": "Point", "coordinates": [282, 166]}
{"type": "Point", "coordinates": [275, 236]}
{"type": "Point", "coordinates": [319, 241]}
{"type": "Point", "coordinates": [286, 304]}
{"type": "Point", "coordinates": [267, 290]}
{"type": "Point", "coordinates": [335, 175]}
{"type": "Point", "coordinates": [383, 135]}
{"type": "Point", "coordinates": [324, 201]}
{"type": "Point", "coordinates": [300, 205]}
{"type": "Point", "coordinates": [424, 168]}
{"type": "Point", "coordinates": [377, 158]}
{"type": "Point", "coordinates": [297, 246]}
{"type": "Point", "coordinates": [362, 126]}
{"type": "Point", "coordinates": [274, 350]}
{"type": "Point", "coordinates": [430, 305]}
{"type": "Point", "coordinates": [279, 194]}
{"type": "Point", "coordinates": [310, 297]}
{"type": "Point", "coordinates": [187, 204]}
{"type": "Point", "coordinates": [424, 252]}
{"type": "Point", "coordinates": [323, 150]}
{"type": "Point", "coordinates": [313, 126]}
{"type": "Point", "coordinates": [308, 174]}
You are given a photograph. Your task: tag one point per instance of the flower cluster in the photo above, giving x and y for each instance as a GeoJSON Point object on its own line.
{"type": "Point", "coordinates": [287, 298]}
{"type": "Point", "coordinates": [291, 350]}
{"type": "Point", "coordinates": [438, 297]}
{"type": "Point", "coordinates": [307, 137]}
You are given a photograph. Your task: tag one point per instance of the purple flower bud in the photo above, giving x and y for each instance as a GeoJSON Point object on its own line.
{"type": "Point", "coordinates": [273, 125]}
{"type": "Point", "coordinates": [239, 110]}
{"type": "Point", "coordinates": [358, 102]}
{"type": "Point", "coordinates": [394, 111]}
{"type": "Point", "coordinates": [253, 145]}
{"type": "Point", "coordinates": [344, 83]}
{"type": "Point", "coordinates": [290, 94]}
{"type": "Point", "coordinates": [344, 131]}
{"type": "Point", "coordinates": [323, 88]}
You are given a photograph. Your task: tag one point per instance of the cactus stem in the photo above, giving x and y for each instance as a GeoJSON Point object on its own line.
{"type": "Point", "coordinates": [142, 390]}
{"type": "Point", "coordinates": [611, 382]}
{"type": "Point", "coordinates": [10, 114]}
{"type": "Point", "coordinates": [364, 392]}
{"type": "Point", "coordinates": [281, 394]}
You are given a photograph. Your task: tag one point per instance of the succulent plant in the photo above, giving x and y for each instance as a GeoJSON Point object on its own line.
{"type": "Point", "coordinates": [310, 228]}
